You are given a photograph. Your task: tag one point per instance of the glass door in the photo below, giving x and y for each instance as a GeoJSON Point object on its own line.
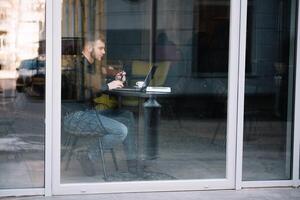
{"type": "Point", "coordinates": [111, 140]}
{"type": "Point", "coordinates": [269, 90]}
{"type": "Point", "coordinates": [22, 95]}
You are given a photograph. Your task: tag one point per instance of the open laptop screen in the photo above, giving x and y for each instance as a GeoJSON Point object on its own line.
{"type": "Point", "coordinates": [147, 81]}
{"type": "Point", "coordinates": [149, 77]}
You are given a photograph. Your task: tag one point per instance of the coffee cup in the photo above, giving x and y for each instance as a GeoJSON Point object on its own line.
{"type": "Point", "coordinates": [139, 84]}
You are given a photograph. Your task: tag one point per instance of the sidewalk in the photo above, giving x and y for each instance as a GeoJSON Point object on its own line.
{"type": "Point", "coordinates": [245, 194]}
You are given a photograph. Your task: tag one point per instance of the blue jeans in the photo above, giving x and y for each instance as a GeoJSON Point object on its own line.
{"type": "Point", "coordinates": [122, 117]}
{"type": "Point", "coordinates": [115, 132]}
{"type": "Point", "coordinates": [116, 126]}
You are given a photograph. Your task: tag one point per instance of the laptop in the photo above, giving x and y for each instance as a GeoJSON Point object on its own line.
{"type": "Point", "coordinates": [147, 80]}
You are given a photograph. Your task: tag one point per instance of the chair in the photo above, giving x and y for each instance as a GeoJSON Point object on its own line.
{"type": "Point", "coordinates": [141, 68]}
{"type": "Point", "coordinates": [85, 124]}
{"type": "Point", "coordinates": [10, 143]}
{"type": "Point", "coordinates": [219, 89]}
{"type": "Point", "coordinates": [7, 110]}
{"type": "Point", "coordinates": [105, 102]}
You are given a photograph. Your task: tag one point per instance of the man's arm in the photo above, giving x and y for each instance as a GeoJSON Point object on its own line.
{"type": "Point", "coordinates": [113, 82]}
{"type": "Point", "coordinates": [117, 83]}
{"type": "Point", "coordinates": [120, 77]}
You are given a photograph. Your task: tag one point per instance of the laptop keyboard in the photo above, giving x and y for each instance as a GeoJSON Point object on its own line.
{"type": "Point", "coordinates": [128, 89]}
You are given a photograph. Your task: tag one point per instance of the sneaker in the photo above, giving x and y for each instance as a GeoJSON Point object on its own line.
{"type": "Point", "coordinates": [86, 164]}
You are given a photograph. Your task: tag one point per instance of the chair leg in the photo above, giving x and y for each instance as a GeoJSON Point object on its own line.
{"type": "Point", "coordinates": [71, 152]}
{"type": "Point", "coordinates": [66, 144]}
{"type": "Point", "coordinates": [250, 124]}
{"type": "Point", "coordinates": [102, 159]}
{"type": "Point", "coordinates": [216, 133]}
{"type": "Point", "coordinates": [114, 158]}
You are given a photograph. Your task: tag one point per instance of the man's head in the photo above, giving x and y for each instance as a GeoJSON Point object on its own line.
{"type": "Point", "coordinates": [94, 48]}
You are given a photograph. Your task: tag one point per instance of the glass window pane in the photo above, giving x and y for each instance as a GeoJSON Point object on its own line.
{"type": "Point", "coordinates": [22, 92]}
{"type": "Point", "coordinates": [100, 39]}
{"type": "Point", "coordinates": [176, 135]}
{"type": "Point", "coordinates": [193, 37]}
{"type": "Point", "coordinates": [269, 90]}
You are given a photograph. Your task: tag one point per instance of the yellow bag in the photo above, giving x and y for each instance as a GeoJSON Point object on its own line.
{"type": "Point", "coordinates": [105, 102]}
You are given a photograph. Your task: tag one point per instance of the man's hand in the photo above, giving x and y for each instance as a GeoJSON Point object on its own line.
{"type": "Point", "coordinates": [121, 76]}
{"type": "Point", "coordinates": [115, 84]}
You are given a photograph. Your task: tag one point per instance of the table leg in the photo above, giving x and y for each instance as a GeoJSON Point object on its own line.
{"type": "Point", "coordinates": [147, 137]}
{"type": "Point", "coordinates": [139, 140]}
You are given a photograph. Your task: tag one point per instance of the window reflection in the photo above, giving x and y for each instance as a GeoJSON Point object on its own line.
{"type": "Point", "coordinates": [188, 42]}
{"type": "Point", "coordinates": [269, 90]}
{"type": "Point", "coordinates": [194, 38]}
{"type": "Point", "coordinates": [22, 89]}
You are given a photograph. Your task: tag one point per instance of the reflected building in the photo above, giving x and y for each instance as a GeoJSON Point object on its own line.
{"type": "Point", "coordinates": [21, 28]}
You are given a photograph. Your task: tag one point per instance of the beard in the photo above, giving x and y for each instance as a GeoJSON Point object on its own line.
{"type": "Point", "coordinates": [99, 58]}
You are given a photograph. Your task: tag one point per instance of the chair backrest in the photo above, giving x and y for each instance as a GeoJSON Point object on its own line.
{"type": "Point", "coordinates": [141, 68]}
{"type": "Point", "coordinates": [105, 102]}
{"type": "Point", "coordinates": [161, 73]}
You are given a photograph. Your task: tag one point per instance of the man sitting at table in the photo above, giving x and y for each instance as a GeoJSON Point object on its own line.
{"type": "Point", "coordinates": [112, 120]}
